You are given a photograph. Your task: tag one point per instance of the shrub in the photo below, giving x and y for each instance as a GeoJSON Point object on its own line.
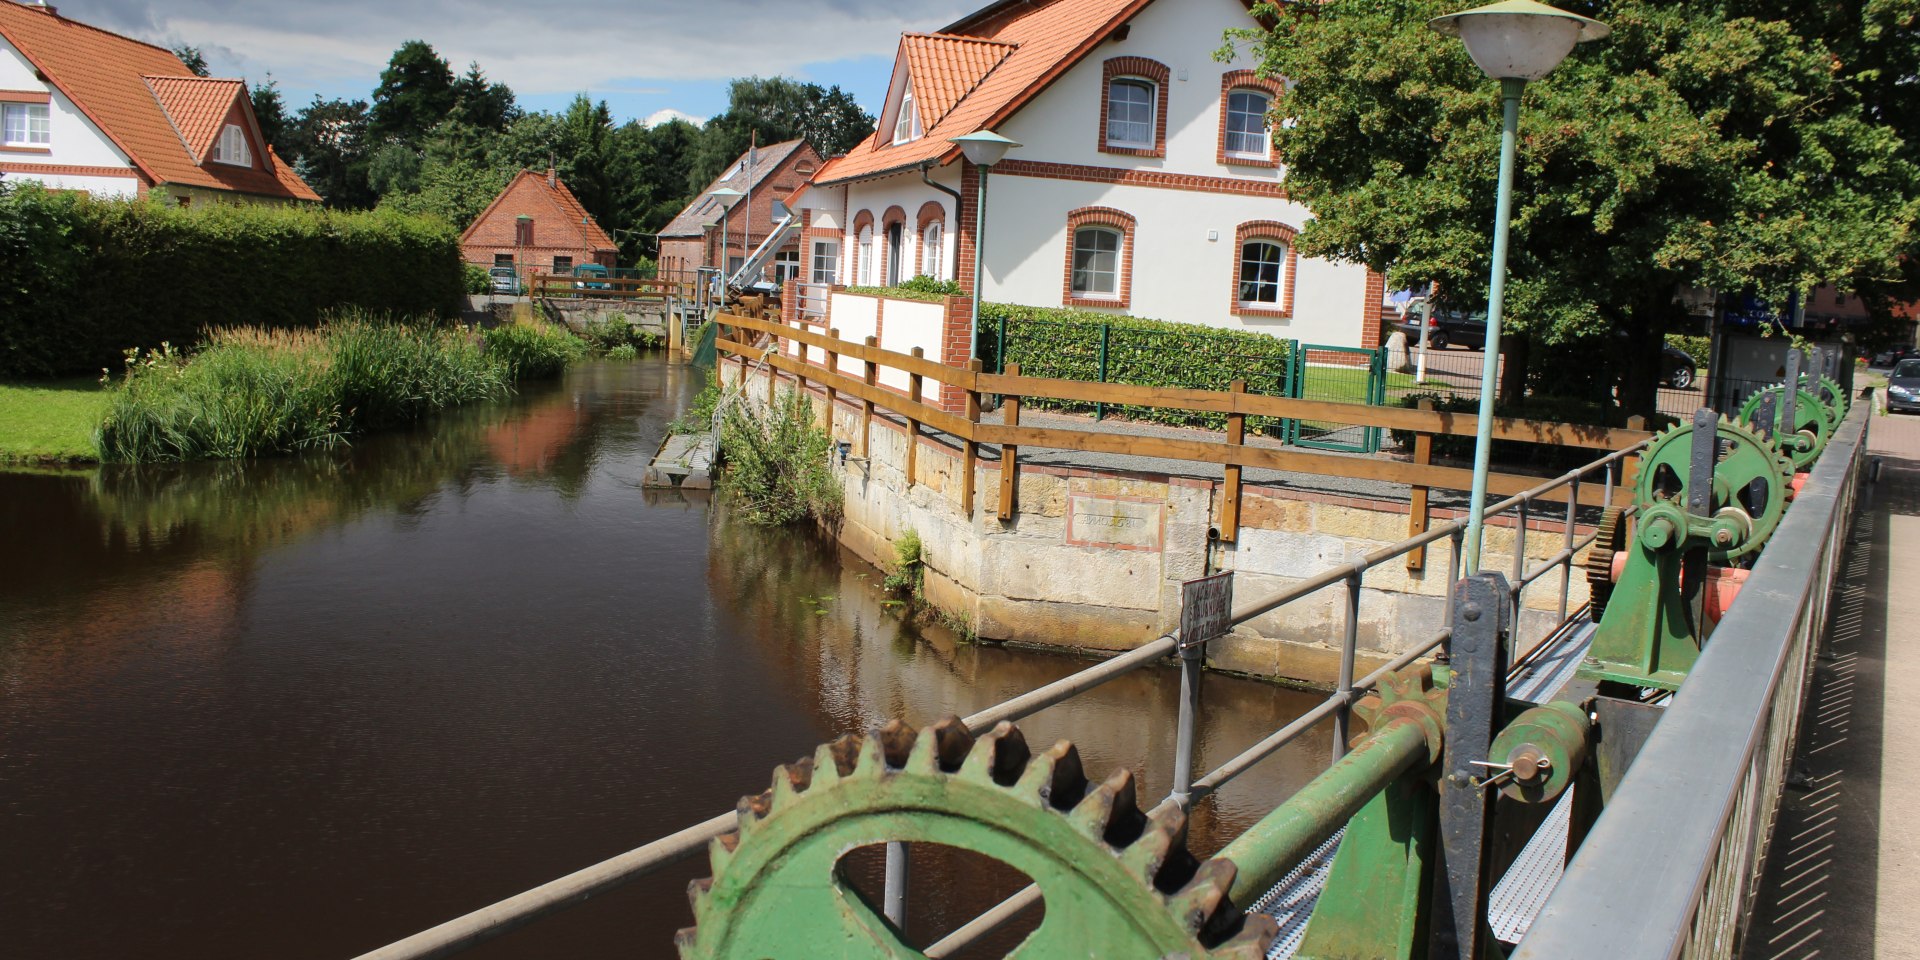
{"type": "Point", "coordinates": [624, 351]}
{"type": "Point", "coordinates": [909, 576]}
{"type": "Point", "coordinates": [606, 331]}
{"type": "Point", "coordinates": [1699, 348]}
{"type": "Point", "coordinates": [777, 471]}
{"type": "Point", "coordinates": [476, 278]}
{"type": "Point", "coordinates": [86, 279]}
{"type": "Point", "coordinates": [534, 350]}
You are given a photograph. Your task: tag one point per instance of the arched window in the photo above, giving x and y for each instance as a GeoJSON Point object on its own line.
{"type": "Point", "coordinates": [932, 249]}
{"type": "Point", "coordinates": [1099, 264]}
{"type": "Point", "coordinates": [1246, 130]}
{"type": "Point", "coordinates": [1133, 107]}
{"type": "Point", "coordinates": [907, 126]}
{"type": "Point", "coordinates": [1130, 110]}
{"type": "Point", "coordinates": [1263, 266]}
{"type": "Point", "coordinates": [866, 257]}
{"type": "Point", "coordinates": [1096, 262]}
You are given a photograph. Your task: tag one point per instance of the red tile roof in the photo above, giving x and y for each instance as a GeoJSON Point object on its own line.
{"type": "Point", "coordinates": [108, 77]}
{"type": "Point", "coordinates": [745, 177]}
{"type": "Point", "coordinates": [1046, 38]}
{"type": "Point", "coordinates": [553, 208]}
{"type": "Point", "coordinates": [197, 106]}
{"type": "Point", "coordinates": [945, 68]}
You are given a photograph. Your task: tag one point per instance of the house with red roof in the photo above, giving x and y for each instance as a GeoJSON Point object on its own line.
{"type": "Point", "coordinates": [693, 238]}
{"type": "Point", "coordinates": [537, 225]}
{"type": "Point", "coordinates": [85, 109]}
{"type": "Point", "coordinates": [1145, 181]}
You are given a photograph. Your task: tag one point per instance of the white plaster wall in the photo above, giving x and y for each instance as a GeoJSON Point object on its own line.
{"type": "Point", "coordinates": [109, 187]}
{"type": "Point", "coordinates": [857, 318]}
{"type": "Point", "coordinates": [75, 141]}
{"type": "Point", "coordinates": [907, 192]}
{"type": "Point", "coordinates": [1179, 274]}
{"type": "Point", "coordinates": [1062, 125]}
{"type": "Point", "coordinates": [908, 324]}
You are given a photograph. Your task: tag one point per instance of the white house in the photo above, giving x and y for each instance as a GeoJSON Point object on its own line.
{"type": "Point", "coordinates": [1145, 182]}
{"type": "Point", "coordinates": [85, 109]}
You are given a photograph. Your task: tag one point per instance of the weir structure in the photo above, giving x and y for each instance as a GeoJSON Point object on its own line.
{"type": "Point", "coordinates": [1551, 799]}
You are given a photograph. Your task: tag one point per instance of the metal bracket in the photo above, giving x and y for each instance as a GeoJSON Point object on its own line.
{"type": "Point", "coordinates": [1475, 698]}
{"type": "Point", "coordinates": [1790, 391]}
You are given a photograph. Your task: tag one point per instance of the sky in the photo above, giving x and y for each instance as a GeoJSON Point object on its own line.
{"type": "Point", "coordinates": [642, 57]}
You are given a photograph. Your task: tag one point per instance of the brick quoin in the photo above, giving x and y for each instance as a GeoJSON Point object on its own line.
{"type": "Point", "coordinates": [969, 226]}
{"type": "Point", "coordinates": [1375, 309]}
{"type": "Point", "coordinates": [1103, 217]}
{"type": "Point", "coordinates": [956, 349]}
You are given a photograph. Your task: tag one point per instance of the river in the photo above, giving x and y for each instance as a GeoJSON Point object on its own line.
{"type": "Point", "coordinates": [303, 707]}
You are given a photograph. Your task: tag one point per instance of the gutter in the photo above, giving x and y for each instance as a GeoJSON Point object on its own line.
{"type": "Point", "coordinates": [925, 167]}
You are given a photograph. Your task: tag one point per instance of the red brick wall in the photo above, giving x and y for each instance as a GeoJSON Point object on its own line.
{"type": "Point", "coordinates": [751, 222]}
{"type": "Point", "coordinates": [553, 234]}
{"type": "Point", "coordinates": [1375, 309]}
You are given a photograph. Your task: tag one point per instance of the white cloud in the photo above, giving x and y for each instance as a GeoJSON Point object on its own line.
{"type": "Point", "coordinates": [659, 117]}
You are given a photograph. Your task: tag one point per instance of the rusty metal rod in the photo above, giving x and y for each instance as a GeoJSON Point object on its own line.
{"type": "Point", "coordinates": [1035, 701]}
{"type": "Point", "coordinates": [996, 917]}
{"type": "Point", "coordinates": [491, 921]}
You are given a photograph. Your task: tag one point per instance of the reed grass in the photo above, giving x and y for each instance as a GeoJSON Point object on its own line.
{"type": "Point", "coordinates": [534, 350]}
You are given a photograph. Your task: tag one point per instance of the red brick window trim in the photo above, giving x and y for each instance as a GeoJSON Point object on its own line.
{"type": "Point", "coordinates": [933, 260]}
{"type": "Point", "coordinates": [859, 238]}
{"type": "Point", "coordinates": [1260, 274]}
{"type": "Point", "coordinates": [1094, 222]}
{"type": "Point", "coordinates": [1245, 81]}
{"type": "Point", "coordinates": [1128, 72]}
{"type": "Point", "coordinates": [894, 215]}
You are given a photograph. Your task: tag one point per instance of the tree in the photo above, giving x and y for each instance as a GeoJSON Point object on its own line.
{"type": "Point", "coordinates": [775, 109]}
{"type": "Point", "coordinates": [483, 104]}
{"type": "Point", "coordinates": [1744, 146]}
{"type": "Point", "coordinates": [193, 58]}
{"type": "Point", "coordinates": [415, 93]}
{"type": "Point", "coordinates": [271, 111]}
{"type": "Point", "coordinates": [330, 138]}
{"type": "Point", "coordinates": [453, 190]}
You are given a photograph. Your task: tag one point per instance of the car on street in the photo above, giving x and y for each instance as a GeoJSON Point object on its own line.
{"type": "Point", "coordinates": [1445, 327]}
{"type": "Point", "coordinates": [504, 280]}
{"type": "Point", "coordinates": [1903, 387]}
{"type": "Point", "coordinates": [1676, 367]}
{"type": "Point", "coordinates": [590, 276]}
{"type": "Point", "coordinates": [1893, 355]}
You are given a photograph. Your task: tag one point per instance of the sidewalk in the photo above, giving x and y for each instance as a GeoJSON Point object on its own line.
{"type": "Point", "coordinates": [1843, 875]}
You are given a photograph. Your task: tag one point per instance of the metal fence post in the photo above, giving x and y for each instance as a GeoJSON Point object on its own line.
{"type": "Point", "coordinates": [1519, 567]}
{"type": "Point", "coordinates": [894, 900]}
{"type": "Point", "coordinates": [1566, 569]}
{"type": "Point", "coordinates": [1346, 667]}
{"type": "Point", "coordinates": [1189, 719]}
{"type": "Point", "coordinates": [1106, 334]}
{"type": "Point", "coordinates": [1453, 566]}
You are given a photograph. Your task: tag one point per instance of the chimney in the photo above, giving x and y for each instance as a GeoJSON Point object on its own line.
{"type": "Point", "coordinates": [550, 179]}
{"type": "Point", "coordinates": [47, 7]}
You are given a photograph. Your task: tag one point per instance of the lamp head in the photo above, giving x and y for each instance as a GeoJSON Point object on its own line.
{"type": "Point", "coordinates": [984, 148]}
{"type": "Point", "coordinates": [1519, 39]}
{"type": "Point", "coordinates": [727, 196]}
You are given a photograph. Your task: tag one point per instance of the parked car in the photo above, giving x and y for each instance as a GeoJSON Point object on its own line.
{"type": "Point", "coordinates": [595, 274]}
{"type": "Point", "coordinates": [1445, 327]}
{"type": "Point", "coordinates": [1903, 386]}
{"type": "Point", "coordinates": [1676, 367]}
{"type": "Point", "coordinates": [1893, 355]}
{"type": "Point", "coordinates": [505, 280]}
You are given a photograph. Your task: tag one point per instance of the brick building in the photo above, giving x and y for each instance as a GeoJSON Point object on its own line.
{"type": "Point", "coordinates": [536, 225]}
{"type": "Point", "coordinates": [765, 174]}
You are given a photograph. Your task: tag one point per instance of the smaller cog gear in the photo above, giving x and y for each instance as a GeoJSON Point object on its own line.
{"type": "Point", "coordinates": [1609, 539]}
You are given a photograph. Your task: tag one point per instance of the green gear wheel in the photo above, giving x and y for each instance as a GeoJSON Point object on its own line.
{"type": "Point", "coordinates": [1116, 882]}
{"type": "Point", "coordinates": [1811, 417]}
{"type": "Point", "coordinates": [1743, 458]}
{"type": "Point", "coordinates": [1835, 398]}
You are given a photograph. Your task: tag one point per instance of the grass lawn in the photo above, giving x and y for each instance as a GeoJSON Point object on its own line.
{"type": "Point", "coordinates": [50, 420]}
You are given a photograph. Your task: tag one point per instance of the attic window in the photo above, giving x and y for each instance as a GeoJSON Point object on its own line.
{"type": "Point", "coordinates": [26, 124]}
{"type": "Point", "coordinates": [906, 129]}
{"type": "Point", "coordinates": [232, 147]}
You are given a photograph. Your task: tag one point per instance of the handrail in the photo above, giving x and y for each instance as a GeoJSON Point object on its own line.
{"type": "Point", "coordinates": [1668, 868]}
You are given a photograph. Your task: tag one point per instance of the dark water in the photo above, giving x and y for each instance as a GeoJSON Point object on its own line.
{"type": "Point", "coordinates": [301, 708]}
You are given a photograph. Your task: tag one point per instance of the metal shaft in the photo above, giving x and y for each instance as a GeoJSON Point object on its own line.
{"type": "Point", "coordinates": [1510, 89]}
{"type": "Point", "coordinates": [895, 897]}
{"type": "Point", "coordinates": [1183, 740]}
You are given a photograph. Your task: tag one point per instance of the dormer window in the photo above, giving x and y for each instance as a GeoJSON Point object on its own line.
{"type": "Point", "coordinates": [906, 127]}
{"type": "Point", "coordinates": [232, 147]}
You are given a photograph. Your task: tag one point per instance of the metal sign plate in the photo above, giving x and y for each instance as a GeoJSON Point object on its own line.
{"type": "Point", "coordinates": [1206, 609]}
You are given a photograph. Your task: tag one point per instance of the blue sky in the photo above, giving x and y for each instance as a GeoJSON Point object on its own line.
{"type": "Point", "coordinates": [640, 57]}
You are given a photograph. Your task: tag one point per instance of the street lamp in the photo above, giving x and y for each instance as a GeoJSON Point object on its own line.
{"type": "Point", "coordinates": [1513, 42]}
{"type": "Point", "coordinates": [727, 197]}
{"type": "Point", "coordinates": [983, 149]}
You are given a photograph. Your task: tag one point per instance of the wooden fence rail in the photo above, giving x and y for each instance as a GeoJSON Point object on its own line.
{"type": "Point", "coordinates": [1231, 451]}
{"type": "Point", "coordinates": [603, 288]}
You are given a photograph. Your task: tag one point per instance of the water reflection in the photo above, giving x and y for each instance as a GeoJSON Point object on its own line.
{"type": "Point", "coordinates": [302, 707]}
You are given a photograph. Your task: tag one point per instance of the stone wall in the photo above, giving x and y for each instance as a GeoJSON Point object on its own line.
{"type": "Point", "coordinates": [650, 316]}
{"type": "Point", "coordinates": [1094, 560]}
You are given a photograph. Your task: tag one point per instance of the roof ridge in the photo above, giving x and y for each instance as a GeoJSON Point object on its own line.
{"type": "Point", "coordinates": [965, 38]}
{"type": "Point", "coordinates": [171, 122]}
{"type": "Point", "coordinates": [50, 12]}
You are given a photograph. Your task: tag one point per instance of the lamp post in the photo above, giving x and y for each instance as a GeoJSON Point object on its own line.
{"type": "Point", "coordinates": [983, 148]}
{"type": "Point", "coordinates": [1513, 41]}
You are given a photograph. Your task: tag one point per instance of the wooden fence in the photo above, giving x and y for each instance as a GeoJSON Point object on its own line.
{"type": "Point", "coordinates": [556, 286]}
{"type": "Point", "coordinates": [757, 341]}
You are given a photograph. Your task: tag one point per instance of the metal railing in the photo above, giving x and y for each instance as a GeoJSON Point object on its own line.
{"type": "Point", "coordinates": [1672, 866]}
{"type": "Point", "coordinates": [489, 921]}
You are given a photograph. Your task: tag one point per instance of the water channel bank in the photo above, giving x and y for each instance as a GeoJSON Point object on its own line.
{"type": "Point", "coordinates": [302, 707]}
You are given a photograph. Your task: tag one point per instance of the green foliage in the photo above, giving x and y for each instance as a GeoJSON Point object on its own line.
{"type": "Point", "coordinates": [86, 278]}
{"type": "Point", "coordinates": [476, 278]}
{"type": "Point", "coordinates": [698, 417]}
{"type": "Point", "coordinates": [1699, 348]}
{"type": "Point", "coordinates": [1754, 146]}
{"type": "Point", "coordinates": [1055, 342]}
{"type": "Point", "coordinates": [270, 109]}
{"type": "Point", "coordinates": [625, 351]}
{"type": "Point", "coordinates": [194, 58]}
{"type": "Point", "coordinates": [776, 109]}
{"type": "Point", "coordinates": [901, 292]}
{"type": "Point", "coordinates": [925, 284]}
{"type": "Point", "coordinates": [606, 332]}
{"type": "Point", "coordinates": [253, 392]}
{"type": "Point", "coordinates": [331, 151]}
{"type": "Point", "coordinates": [535, 350]}
{"type": "Point", "coordinates": [777, 469]}
{"type": "Point", "coordinates": [909, 576]}
{"type": "Point", "coordinates": [415, 93]}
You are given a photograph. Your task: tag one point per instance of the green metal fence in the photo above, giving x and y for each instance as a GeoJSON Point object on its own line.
{"type": "Point", "coordinates": [1342, 375]}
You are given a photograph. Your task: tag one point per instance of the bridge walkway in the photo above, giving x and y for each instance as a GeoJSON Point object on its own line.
{"type": "Point", "coordinates": [1843, 875]}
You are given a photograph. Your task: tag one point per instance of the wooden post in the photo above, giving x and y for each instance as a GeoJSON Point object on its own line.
{"type": "Point", "coordinates": [866, 406]}
{"type": "Point", "coordinates": [773, 374]}
{"type": "Point", "coordinates": [1230, 493]}
{"type": "Point", "coordinates": [1629, 467]}
{"type": "Point", "coordinates": [833, 368]}
{"type": "Point", "coordinates": [914, 381]}
{"type": "Point", "coordinates": [970, 456]}
{"type": "Point", "coordinates": [800, 372]}
{"type": "Point", "coordinates": [1418, 515]}
{"type": "Point", "coordinates": [1009, 454]}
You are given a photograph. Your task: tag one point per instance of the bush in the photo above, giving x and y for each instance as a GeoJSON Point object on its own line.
{"type": "Point", "coordinates": [1699, 348]}
{"type": "Point", "coordinates": [1054, 342]}
{"type": "Point", "coordinates": [777, 470]}
{"type": "Point", "coordinates": [477, 279]}
{"type": "Point", "coordinates": [535, 350]}
{"type": "Point", "coordinates": [909, 576]}
{"type": "Point", "coordinates": [624, 351]}
{"type": "Point", "coordinates": [606, 332]}
{"type": "Point", "coordinates": [86, 279]}
{"type": "Point", "coordinates": [254, 391]}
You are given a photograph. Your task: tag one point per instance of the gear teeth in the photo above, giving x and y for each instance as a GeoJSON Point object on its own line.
{"type": "Point", "coordinates": [720, 851]}
{"type": "Point", "coordinates": [1160, 858]}
{"type": "Point", "coordinates": [941, 747]}
{"type": "Point", "coordinates": [683, 940]}
{"type": "Point", "coordinates": [1109, 813]}
{"type": "Point", "coordinates": [872, 759]}
{"type": "Point", "coordinates": [837, 759]}
{"type": "Point", "coordinates": [999, 756]}
{"type": "Point", "coordinates": [1256, 936]}
{"type": "Point", "coordinates": [697, 891]}
{"type": "Point", "coordinates": [792, 779]}
{"type": "Point", "coordinates": [1198, 905]}
{"type": "Point", "coordinates": [1055, 777]}
{"type": "Point", "coordinates": [896, 743]}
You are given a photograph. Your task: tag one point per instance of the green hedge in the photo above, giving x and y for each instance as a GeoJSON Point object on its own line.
{"type": "Point", "coordinates": [1055, 342]}
{"type": "Point", "coordinates": [1699, 348]}
{"type": "Point", "coordinates": [84, 279]}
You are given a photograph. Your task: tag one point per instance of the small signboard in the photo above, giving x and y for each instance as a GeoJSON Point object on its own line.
{"type": "Point", "coordinates": [1206, 611]}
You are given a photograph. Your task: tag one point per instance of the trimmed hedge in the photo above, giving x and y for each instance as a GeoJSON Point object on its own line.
{"type": "Point", "coordinates": [1062, 343]}
{"type": "Point", "coordinates": [84, 280]}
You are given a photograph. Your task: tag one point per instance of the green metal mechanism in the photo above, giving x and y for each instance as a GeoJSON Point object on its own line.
{"type": "Point", "coordinates": [1814, 420]}
{"type": "Point", "coordinates": [1718, 494]}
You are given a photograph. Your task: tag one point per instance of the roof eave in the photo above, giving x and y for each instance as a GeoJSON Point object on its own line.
{"type": "Point", "coordinates": [134, 158]}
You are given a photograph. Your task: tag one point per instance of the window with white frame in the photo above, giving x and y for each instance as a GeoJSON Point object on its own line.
{"type": "Point", "coordinates": [932, 249]}
{"type": "Point", "coordinates": [907, 126]}
{"type": "Point", "coordinates": [26, 124]}
{"type": "Point", "coordinates": [1263, 265]}
{"type": "Point", "coordinates": [866, 257]}
{"type": "Point", "coordinates": [786, 264]}
{"type": "Point", "coordinates": [826, 261]}
{"type": "Point", "coordinates": [1247, 124]}
{"type": "Point", "coordinates": [1130, 103]}
{"type": "Point", "coordinates": [232, 147]}
{"type": "Point", "coordinates": [1096, 262]}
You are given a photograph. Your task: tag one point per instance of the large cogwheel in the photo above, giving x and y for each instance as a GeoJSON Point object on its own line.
{"type": "Point", "coordinates": [1750, 478]}
{"type": "Point", "coordinates": [1115, 882]}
